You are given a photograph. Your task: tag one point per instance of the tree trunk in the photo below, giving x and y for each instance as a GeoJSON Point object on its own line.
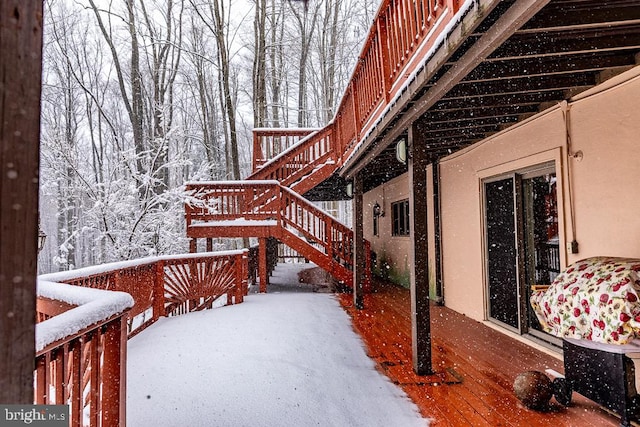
{"type": "Point", "coordinates": [259, 65]}
{"type": "Point", "coordinates": [306, 34]}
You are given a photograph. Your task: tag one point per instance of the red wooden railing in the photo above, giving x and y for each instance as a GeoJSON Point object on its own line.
{"type": "Point", "coordinates": [81, 342]}
{"type": "Point", "coordinates": [230, 200]}
{"type": "Point", "coordinates": [81, 352]}
{"type": "Point", "coordinates": [302, 166]}
{"type": "Point", "coordinates": [400, 37]}
{"type": "Point", "coordinates": [269, 143]}
{"type": "Point", "coordinates": [294, 220]}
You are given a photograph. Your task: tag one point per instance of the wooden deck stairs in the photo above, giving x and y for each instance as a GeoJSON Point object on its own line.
{"type": "Point", "coordinates": [268, 204]}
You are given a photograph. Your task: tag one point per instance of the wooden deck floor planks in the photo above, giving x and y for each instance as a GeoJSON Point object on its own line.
{"type": "Point", "coordinates": [486, 360]}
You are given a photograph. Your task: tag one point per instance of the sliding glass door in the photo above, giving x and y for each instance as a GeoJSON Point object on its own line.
{"type": "Point", "coordinates": [522, 246]}
{"type": "Point", "coordinates": [502, 270]}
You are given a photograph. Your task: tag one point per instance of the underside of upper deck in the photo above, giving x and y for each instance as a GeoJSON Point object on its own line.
{"type": "Point", "coordinates": [502, 63]}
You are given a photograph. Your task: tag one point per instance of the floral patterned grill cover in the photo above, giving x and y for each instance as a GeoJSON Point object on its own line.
{"type": "Point", "coordinates": [595, 299]}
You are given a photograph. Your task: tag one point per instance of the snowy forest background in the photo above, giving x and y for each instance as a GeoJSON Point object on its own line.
{"type": "Point", "coordinates": [141, 96]}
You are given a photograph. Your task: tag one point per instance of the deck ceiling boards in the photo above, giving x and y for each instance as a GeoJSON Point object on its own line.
{"type": "Point", "coordinates": [567, 47]}
{"type": "Point", "coordinates": [333, 188]}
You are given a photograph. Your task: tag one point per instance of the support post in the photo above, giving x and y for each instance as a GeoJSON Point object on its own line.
{"type": "Point", "coordinates": [114, 391]}
{"type": "Point", "coordinates": [359, 267]}
{"type": "Point", "coordinates": [209, 241]}
{"type": "Point", "coordinates": [439, 299]}
{"type": "Point", "coordinates": [263, 271]}
{"type": "Point", "coordinates": [20, 84]}
{"type": "Point", "coordinates": [420, 315]}
{"type": "Point", "coordinates": [158, 292]}
{"type": "Point", "coordinates": [193, 245]}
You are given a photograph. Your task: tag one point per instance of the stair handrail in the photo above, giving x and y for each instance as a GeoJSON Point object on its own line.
{"type": "Point", "coordinates": [317, 226]}
{"type": "Point", "coordinates": [299, 160]}
{"type": "Point", "coordinates": [292, 212]}
{"type": "Point", "coordinates": [263, 142]}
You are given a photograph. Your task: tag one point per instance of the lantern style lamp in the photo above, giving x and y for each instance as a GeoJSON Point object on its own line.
{"type": "Point", "coordinates": [42, 237]}
{"type": "Point", "coordinates": [377, 210]}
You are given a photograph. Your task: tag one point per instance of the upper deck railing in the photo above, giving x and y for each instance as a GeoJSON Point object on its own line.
{"type": "Point", "coordinates": [400, 37]}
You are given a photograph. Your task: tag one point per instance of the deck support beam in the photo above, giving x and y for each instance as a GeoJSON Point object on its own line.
{"type": "Point", "coordinates": [20, 84]}
{"type": "Point", "coordinates": [420, 310]}
{"type": "Point", "coordinates": [359, 276]}
{"type": "Point", "coordinates": [437, 233]}
{"type": "Point", "coordinates": [263, 269]}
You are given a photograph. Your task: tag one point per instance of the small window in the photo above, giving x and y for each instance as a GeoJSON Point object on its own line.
{"type": "Point", "coordinates": [400, 218]}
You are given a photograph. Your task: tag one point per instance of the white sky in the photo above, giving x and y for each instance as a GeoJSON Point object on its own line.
{"type": "Point", "coordinates": [278, 359]}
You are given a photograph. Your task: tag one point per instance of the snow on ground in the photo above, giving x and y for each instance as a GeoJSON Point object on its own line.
{"type": "Point", "coordinates": [278, 359]}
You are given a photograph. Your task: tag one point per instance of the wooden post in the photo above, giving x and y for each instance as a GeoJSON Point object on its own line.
{"type": "Point", "coordinates": [193, 245]}
{"type": "Point", "coordinates": [454, 5]}
{"type": "Point", "coordinates": [158, 292]}
{"type": "Point", "coordinates": [241, 277]}
{"type": "Point", "coordinates": [439, 297]}
{"type": "Point", "coordinates": [420, 315]}
{"type": "Point", "coordinates": [263, 271]}
{"type": "Point", "coordinates": [114, 388]}
{"type": "Point", "coordinates": [359, 277]}
{"type": "Point", "coordinates": [356, 110]}
{"type": "Point", "coordinates": [383, 35]}
{"type": "Point", "coordinates": [257, 151]}
{"type": "Point", "coordinates": [209, 241]}
{"type": "Point", "coordinates": [20, 77]}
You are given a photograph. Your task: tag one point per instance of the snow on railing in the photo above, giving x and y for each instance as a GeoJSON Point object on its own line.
{"type": "Point", "coordinates": [291, 166]}
{"type": "Point", "coordinates": [83, 323]}
{"type": "Point", "coordinates": [87, 307]}
{"type": "Point", "coordinates": [81, 352]}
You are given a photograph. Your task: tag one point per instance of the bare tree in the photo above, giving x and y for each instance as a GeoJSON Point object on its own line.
{"type": "Point", "coordinates": [306, 25]}
{"type": "Point", "coordinates": [215, 17]}
{"type": "Point", "coordinates": [201, 80]}
{"type": "Point", "coordinates": [163, 58]}
{"type": "Point", "coordinates": [259, 64]}
{"type": "Point", "coordinates": [327, 49]}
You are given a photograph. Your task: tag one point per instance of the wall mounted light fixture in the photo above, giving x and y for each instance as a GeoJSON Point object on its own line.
{"type": "Point", "coordinates": [401, 150]}
{"type": "Point", "coordinates": [377, 210]}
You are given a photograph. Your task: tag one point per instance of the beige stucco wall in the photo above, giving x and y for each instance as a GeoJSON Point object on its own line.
{"type": "Point", "coordinates": [605, 185]}
{"type": "Point", "coordinates": [393, 249]}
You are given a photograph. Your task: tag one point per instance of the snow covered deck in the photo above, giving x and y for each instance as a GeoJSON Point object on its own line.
{"type": "Point", "coordinates": [287, 358]}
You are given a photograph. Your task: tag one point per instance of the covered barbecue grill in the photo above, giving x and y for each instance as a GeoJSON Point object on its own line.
{"type": "Point", "coordinates": [594, 305]}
